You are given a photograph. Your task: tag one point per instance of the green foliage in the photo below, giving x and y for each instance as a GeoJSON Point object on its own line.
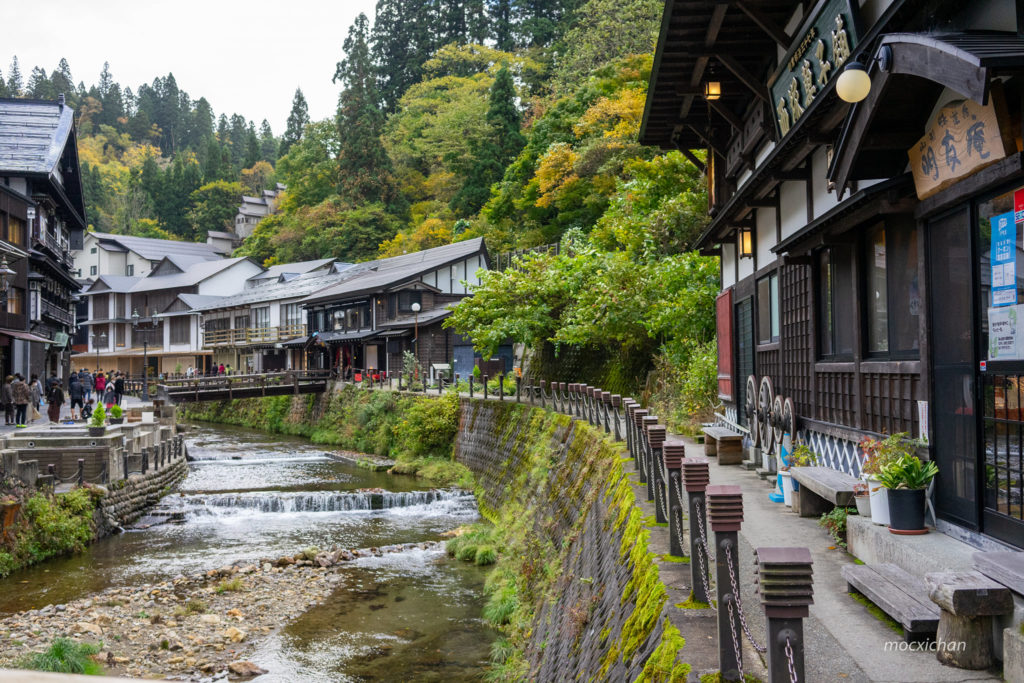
{"type": "Point", "coordinates": [298, 119]}
{"type": "Point", "coordinates": [879, 453]}
{"type": "Point", "coordinates": [476, 544]}
{"type": "Point", "coordinates": [230, 585]}
{"type": "Point", "coordinates": [214, 206]}
{"type": "Point", "coordinates": [50, 526]}
{"type": "Point", "coordinates": [64, 656]}
{"type": "Point", "coordinates": [834, 521]}
{"type": "Point", "coordinates": [878, 613]}
{"type": "Point", "coordinates": [310, 167]}
{"type": "Point", "coordinates": [802, 456]}
{"type": "Point", "coordinates": [117, 411]}
{"type": "Point", "coordinates": [99, 416]}
{"type": "Point", "coordinates": [907, 472]}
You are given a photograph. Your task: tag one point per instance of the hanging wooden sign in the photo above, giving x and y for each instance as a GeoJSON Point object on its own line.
{"type": "Point", "coordinates": [963, 138]}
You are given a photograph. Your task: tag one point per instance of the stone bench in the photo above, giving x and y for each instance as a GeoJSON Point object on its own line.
{"type": "Point", "coordinates": [724, 443]}
{"type": "Point", "coordinates": [821, 489]}
{"type": "Point", "coordinates": [1006, 567]}
{"type": "Point", "coordinates": [968, 600]}
{"type": "Point", "coordinates": [902, 596]}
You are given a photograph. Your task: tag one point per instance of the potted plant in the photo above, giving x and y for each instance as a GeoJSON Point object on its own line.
{"type": "Point", "coordinates": [863, 499]}
{"type": "Point", "coordinates": [905, 480]}
{"type": "Point", "coordinates": [802, 456]}
{"type": "Point", "coordinates": [116, 414]}
{"type": "Point", "coordinates": [877, 454]}
{"type": "Point", "coordinates": [96, 422]}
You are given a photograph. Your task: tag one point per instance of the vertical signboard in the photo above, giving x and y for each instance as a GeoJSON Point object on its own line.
{"type": "Point", "coordinates": [1003, 256]}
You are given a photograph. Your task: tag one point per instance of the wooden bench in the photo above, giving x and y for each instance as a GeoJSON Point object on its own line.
{"type": "Point", "coordinates": [724, 443]}
{"type": "Point", "coordinates": [822, 488]}
{"type": "Point", "coordinates": [1006, 567]}
{"type": "Point", "coordinates": [902, 596]}
{"type": "Point", "coordinates": [969, 601]}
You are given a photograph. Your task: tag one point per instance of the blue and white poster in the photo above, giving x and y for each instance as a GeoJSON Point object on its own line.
{"type": "Point", "coordinates": [1004, 260]}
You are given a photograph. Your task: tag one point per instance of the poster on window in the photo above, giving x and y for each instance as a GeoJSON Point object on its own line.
{"type": "Point", "coordinates": [1005, 333]}
{"type": "Point", "coordinates": [1004, 259]}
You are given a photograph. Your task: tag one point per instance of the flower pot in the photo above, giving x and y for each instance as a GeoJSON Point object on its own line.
{"type": "Point", "coordinates": [116, 420]}
{"type": "Point", "coordinates": [878, 495]}
{"type": "Point", "coordinates": [863, 505]}
{"type": "Point", "coordinates": [97, 431]}
{"type": "Point", "coordinates": [766, 461]}
{"type": "Point", "coordinates": [787, 487]}
{"type": "Point", "coordinates": [906, 510]}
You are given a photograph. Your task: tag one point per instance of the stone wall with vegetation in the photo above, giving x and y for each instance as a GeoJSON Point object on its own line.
{"type": "Point", "coordinates": [128, 498]}
{"type": "Point", "coordinates": [575, 587]}
{"type": "Point", "coordinates": [416, 431]}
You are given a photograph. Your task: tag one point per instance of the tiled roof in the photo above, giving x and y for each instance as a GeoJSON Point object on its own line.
{"type": "Point", "coordinates": [33, 135]}
{"type": "Point", "coordinates": [154, 249]}
{"type": "Point", "coordinates": [193, 276]}
{"type": "Point", "coordinates": [299, 286]}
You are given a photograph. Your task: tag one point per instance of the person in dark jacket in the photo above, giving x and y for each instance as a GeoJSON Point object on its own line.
{"type": "Point", "coordinates": [54, 399]}
{"type": "Point", "coordinates": [7, 398]}
{"type": "Point", "coordinates": [22, 394]}
{"type": "Point", "coordinates": [77, 395]}
{"type": "Point", "coordinates": [119, 387]}
{"type": "Point", "coordinates": [87, 409]}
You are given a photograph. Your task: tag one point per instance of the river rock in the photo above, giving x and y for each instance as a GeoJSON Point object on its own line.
{"type": "Point", "coordinates": [234, 635]}
{"type": "Point", "coordinates": [209, 618]}
{"type": "Point", "coordinates": [284, 561]}
{"type": "Point", "coordinates": [86, 627]}
{"type": "Point", "coordinates": [243, 668]}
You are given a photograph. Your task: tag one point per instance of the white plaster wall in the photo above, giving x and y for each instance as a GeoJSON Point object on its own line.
{"type": "Point", "coordinates": [746, 267]}
{"type": "Point", "coordinates": [230, 280]}
{"type": "Point", "coordinates": [765, 236]}
{"type": "Point", "coordinates": [793, 205]}
{"type": "Point", "coordinates": [823, 199]}
{"type": "Point", "coordinates": [142, 265]}
{"type": "Point", "coordinates": [744, 177]}
{"type": "Point", "coordinates": [791, 26]}
{"type": "Point", "coordinates": [728, 265]}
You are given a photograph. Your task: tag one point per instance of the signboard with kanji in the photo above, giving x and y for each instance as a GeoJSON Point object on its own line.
{"type": "Point", "coordinates": [816, 57]}
{"type": "Point", "coordinates": [963, 138]}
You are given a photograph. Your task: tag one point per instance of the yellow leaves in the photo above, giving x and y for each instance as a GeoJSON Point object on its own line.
{"type": "Point", "coordinates": [616, 117]}
{"type": "Point", "coordinates": [432, 232]}
{"type": "Point", "coordinates": [555, 172]}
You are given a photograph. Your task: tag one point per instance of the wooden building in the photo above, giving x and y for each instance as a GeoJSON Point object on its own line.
{"type": "Point", "coordinates": [871, 251]}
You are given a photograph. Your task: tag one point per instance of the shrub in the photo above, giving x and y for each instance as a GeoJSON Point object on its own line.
{"type": "Point", "coordinates": [502, 604]}
{"type": "Point", "coordinates": [835, 522]}
{"type": "Point", "coordinates": [64, 656]}
{"type": "Point", "coordinates": [51, 526]}
{"type": "Point", "coordinates": [226, 585]}
{"type": "Point", "coordinates": [116, 411]}
{"type": "Point", "coordinates": [486, 555]}
{"type": "Point", "coordinates": [99, 416]}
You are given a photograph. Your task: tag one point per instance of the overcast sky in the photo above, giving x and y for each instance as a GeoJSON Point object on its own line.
{"type": "Point", "coordinates": [246, 57]}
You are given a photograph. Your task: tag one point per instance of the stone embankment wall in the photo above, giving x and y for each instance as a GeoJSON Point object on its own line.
{"type": "Point", "coordinates": [127, 499]}
{"type": "Point", "coordinates": [599, 605]}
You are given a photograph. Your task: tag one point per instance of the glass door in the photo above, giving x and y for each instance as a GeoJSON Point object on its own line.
{"type": "Point", "coordinates": [744, 355]}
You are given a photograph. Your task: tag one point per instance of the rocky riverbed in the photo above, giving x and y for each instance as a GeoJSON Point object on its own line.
{"type": "Point", "coordinates": [197, 627]}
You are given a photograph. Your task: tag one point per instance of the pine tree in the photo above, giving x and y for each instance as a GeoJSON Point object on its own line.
{"type": "Point", "coordinates": [40, 86]}
{"type": "Point", "coordinates": [252, 147]}
{"type": "Point", "coordinates": [451, 22]}
{"type": "Point", "coordinates": [268, 144]}
{"type": "Point", "coordinates": [495, 152]}
{"type": "Point", "coordinates": [14, 82]}
{"type": "Point", "coordinates": [63, 82]}
{"type": "Point", "coordinates": [477, 25]}
{"type": "Point", "coordinates": [212, 161]}
{"type": "Point", "coordinates": [364, 167]}
{"type": "Point", "coordinates": [500, 12]}
{"type": "Point", "coordinates": [391, 41]}
{"type": "Point", "coordinates": [3, 86]}
{"type": "Point", "coordinates": [297, 121]}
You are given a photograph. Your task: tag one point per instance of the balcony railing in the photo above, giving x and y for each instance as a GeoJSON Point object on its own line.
{"type": "Point", "coordinates": [252, 335]}
{"type": "Point", "coordinates": [61, 315]}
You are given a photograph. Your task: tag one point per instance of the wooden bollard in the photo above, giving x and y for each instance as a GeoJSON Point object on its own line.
{"type": "Point", "coordinates": [672, 454]}
{"type": "Point", "coordinates": [725, 513]}
{"type": "Point", "coordinates": [606, 408]}
{"type": "Point", "coordinates": [628, 406]}
{"type": "Point", "coordinates": [645, 454]}
{"type": "Point", "coordinates": [638, 442]}
{"type": "Point", "coordinates": [145, 460]}
{"type": "Point", "coordinates": [785, 584]}
{"type": "Point", "coordinates": [695, 481]}
{"type": "Point", "coordinates": [616, 412]}
{"type": "Point", "coordinates": [543, 400]}
{"type": "Point", "coordinates": [656, 483]}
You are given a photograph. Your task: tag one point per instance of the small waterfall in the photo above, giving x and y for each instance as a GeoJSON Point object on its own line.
{"type": "Point", "coordinates": [258, 502]}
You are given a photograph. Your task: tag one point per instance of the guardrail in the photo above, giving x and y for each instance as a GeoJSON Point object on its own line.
{"type": "Point", "coordinates": [252, 335]}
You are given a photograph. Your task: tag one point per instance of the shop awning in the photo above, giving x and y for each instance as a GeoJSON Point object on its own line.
{"type": "Point", "coordinates": [395, 333]}
{"type": "Point", "coordinates": [337, 337]}
{"type": "Point", "coordinates": [27, 336]}
{"type": "Point", "coordinates": [298, 341]}
{"type": "Point", "coordinates": [878, 131]}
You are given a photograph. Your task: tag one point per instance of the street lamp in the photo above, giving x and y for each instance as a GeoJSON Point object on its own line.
{"type": "Point", "coordinates": [97, 341]}
{"type": "Point", "coordinates": [136, 318]}
{"type": "Point", "coordinates": [416, 333]}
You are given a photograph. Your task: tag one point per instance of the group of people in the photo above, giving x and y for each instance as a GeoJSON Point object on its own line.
{"type": "Point", "coordinates": [16, 396]}
{"type": "Point", "coordinates": [109, 388]}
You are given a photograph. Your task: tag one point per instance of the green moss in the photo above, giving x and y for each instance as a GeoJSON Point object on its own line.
{"type": "Point", "coordinates": [663, 664]}
{"type": "Point", "coordinates": [876, 611]}
{"type": "Point", "coordinates": [674, 558]}
{"type": "Point", "coordinates": [716, 677]}
{"type": "Point", "coordinates": [858, 561]}
{"type": "Point", "coordinates": [690, 603]}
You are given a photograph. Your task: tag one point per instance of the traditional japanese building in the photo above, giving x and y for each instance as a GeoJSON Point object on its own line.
{"type": "Point", "coordinates": [872, 247]}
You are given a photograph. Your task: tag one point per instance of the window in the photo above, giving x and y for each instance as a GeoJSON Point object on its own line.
{"type": "Point", "coordinates": [261, 317]}
{"type": "Point", "coordinates": [352, 319]}
{"type": "Point", "coordinates": [835, 302]}
{"type": "Point", "coordinates": [130, 270]}
{"type": "Point", "coordinates": [92, 270]}
{"type": "Point", "coordinates": [120, 332]}
{"type": "Point", "coordinates": [15, 300]}
{"type": "Point", "coordinates": [338, 320]}
{"type": "Point", "coordinates": [180, 329]}
{"type": "Point", "coordinates": [93, 250]}
{"type": "Point", "coordinates": [241, 322]}
{"type": "Point", "coordinates": [407, 299]}
{"type": "Point", "coordinates": [893, 300]}
{"type": "Point", "coordinates": [101, 307]}
{"type": "Point", "coordinates": [768, 309]}
{"type": "Point", "coordinates": [291, 315]}
{"type": "Point", "coordinates": [16, 231]}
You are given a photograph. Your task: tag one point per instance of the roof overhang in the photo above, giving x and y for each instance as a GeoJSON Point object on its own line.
{"type": "Point", "coordinates": [878, 131]}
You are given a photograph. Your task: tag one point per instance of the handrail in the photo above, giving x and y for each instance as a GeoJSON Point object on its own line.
{"type": "Point", "coordinates": [252, 335]}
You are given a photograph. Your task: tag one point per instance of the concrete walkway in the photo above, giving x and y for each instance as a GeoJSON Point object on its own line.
{"type": "Point", "coordinates": [844, 642]}
{"type": "Point", "coordinates": [65, 412]}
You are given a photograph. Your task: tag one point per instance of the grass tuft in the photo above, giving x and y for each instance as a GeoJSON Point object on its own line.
{"type": "Point", "coordinates": [64, 656]}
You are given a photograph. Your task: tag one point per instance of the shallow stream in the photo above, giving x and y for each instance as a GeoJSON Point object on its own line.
{"type": "Point", "coordinates": [411, 616]}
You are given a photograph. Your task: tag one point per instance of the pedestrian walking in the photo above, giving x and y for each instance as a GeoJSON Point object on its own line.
{"type": "Point", "coordinates": [119, 387]}
{"type": "Point", "coordinates": [54, 399]}
{"type": "Point", "coordinates": [7, 398]}
{"type": "Point", "coordinates": [35, 396]}
{"type": "Point", "coordinates": [21, 394]}
{"type": "Point", "coordinates": [110, 397]}
{"type": "Point", "coordinates": [100, 383]}
{"type": "Point", "coordinates": [77, 395]}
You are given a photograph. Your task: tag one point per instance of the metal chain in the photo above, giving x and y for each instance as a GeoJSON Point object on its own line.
{"type": "Point", "coordinates": [679, 527]}
{"type": "Point", "coordinates": [792, 665]}
{"type": "Point", "coordinates": [701, 556]}
{"type": "Point", "coordinates": [739, 605]}
{"type": "Point", "coordinates": [735, 639]}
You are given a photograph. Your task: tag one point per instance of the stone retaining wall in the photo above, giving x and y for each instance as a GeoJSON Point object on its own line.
{"type": "Point", "coordinates": [127, 499]}
{"type": "Point", "coordinates": [604, 615]}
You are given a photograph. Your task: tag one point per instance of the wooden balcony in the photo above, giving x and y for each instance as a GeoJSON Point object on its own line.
{"type": "Point", "coordinates": [249, 336]}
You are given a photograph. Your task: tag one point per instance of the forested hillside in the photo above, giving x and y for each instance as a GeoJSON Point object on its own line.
{"type": "Point", "coordinates": [515, 120]}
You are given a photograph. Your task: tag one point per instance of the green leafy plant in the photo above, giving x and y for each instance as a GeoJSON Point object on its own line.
{"type": "Point", "coordinates": [64, 656]}
{"type": "Point", "coordinates": [835, 522]}
{"type": "Point", "coordinates": [116, 412]}
{"type": "Point", "coordinates": [99, 416]}
{"type": "Point", "coordinates": [907, 472]}
{"type": "Point", "coordinates": [226, 585]}
{"type": "Point", "coordinates": [880, 452]}
{"type": "Point", "coordinates": [802, 456]}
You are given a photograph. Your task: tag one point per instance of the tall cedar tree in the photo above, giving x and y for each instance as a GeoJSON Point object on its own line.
{"type": "Point", "coordinates": [496, 151]}
{"type": "Point", "coordinates": [14, 82]}
{"type": "Point", "coordinates": [268, 144]}
{"type": "Point", "coordinates": [297, 121]}
{"type": "Point", "coordinates": [364, 168]}
{"type": "Point", "coordinates": [500, 12]}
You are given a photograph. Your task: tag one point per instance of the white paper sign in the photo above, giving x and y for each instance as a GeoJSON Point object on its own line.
{"type": "Point", "coordinates": [1004, 333]}
{"type": "Point", "coordinates": [922, 421]}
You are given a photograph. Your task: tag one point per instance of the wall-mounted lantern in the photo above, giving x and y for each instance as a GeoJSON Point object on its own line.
{"type": "Point", "coordinates": [854, 83]}
{"type": "Point", "coordinates": [746, 242]}
{"type": "Point", "coordinates": [712, 90]}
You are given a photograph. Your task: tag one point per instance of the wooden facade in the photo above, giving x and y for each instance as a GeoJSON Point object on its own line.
{"type": "Point", "coordinates": [861, 292]}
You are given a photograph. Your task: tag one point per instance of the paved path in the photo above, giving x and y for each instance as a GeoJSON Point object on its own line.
{"type": "Point", "coordinates": [843, 641]}
{"type": "Point", "coordinates": [126, 402]}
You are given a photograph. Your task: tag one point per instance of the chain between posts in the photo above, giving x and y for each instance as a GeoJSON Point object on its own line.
{"type": "Point", "coordinates": [735, 639]}
{"type": "Point", "coordinates": [739, 605]}
{"type": "Point", "coordinates": [700, 557]}
{"type": "Point", "coordinates": [789, 659]}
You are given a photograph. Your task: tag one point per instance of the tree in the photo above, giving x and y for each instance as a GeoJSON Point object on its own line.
{"type": "Point", "coordinates": [252, 147]}
{"type": "Point", "coordinates": [14, 82]}
{"type": "Point", "coordinates": [494, 152]}
{"type": "Point", "coordinates": [268, 143]}
{"type": "Point", "coordinates": [214, 206]}
{"type": "Point", "coordinates": [500, 12]}
{"type": "Point", "coordinates": [40, 86]}
{"type": "Point", "coordinates": [391, 42]}
{"type": "Point", "coordinates": [297, 121]}
{"type": "Point", "coordinates": [364, 169]}
{"type": "Point", "coordinates": [310, 169]}
{"type": "Point", "coordinates": [603, 31]}
{"type": "Point", "coordinates": [258, 178]}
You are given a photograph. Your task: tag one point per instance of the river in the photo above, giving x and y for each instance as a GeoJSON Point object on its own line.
{"type": "Point", "coordinates": [412, 616]}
